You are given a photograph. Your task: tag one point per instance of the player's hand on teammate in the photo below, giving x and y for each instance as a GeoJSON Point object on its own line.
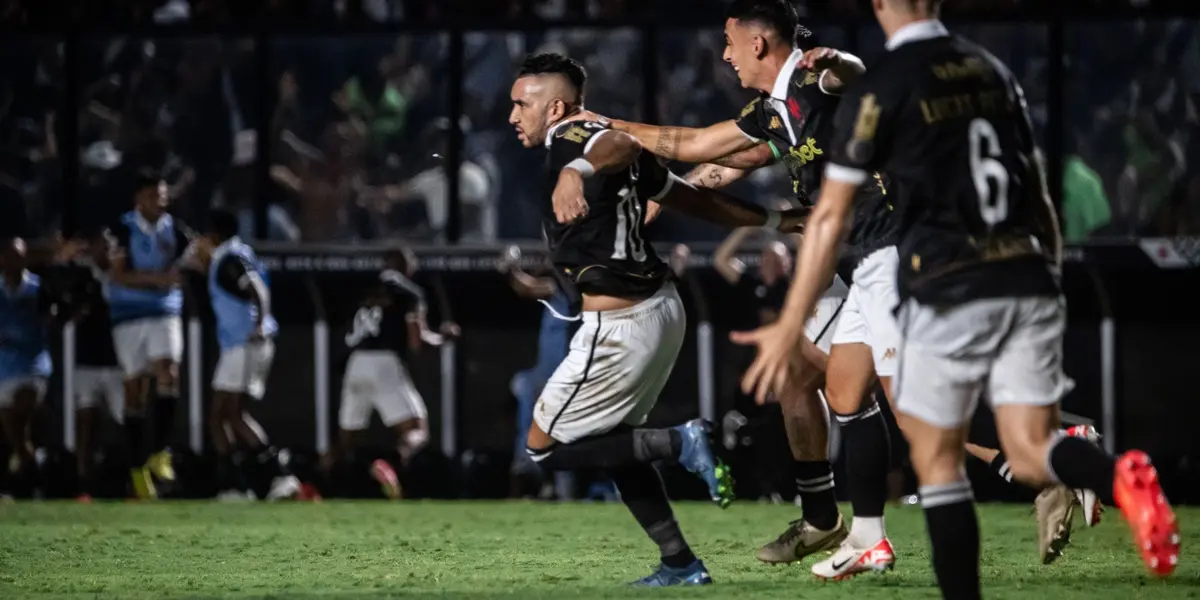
{"type": "Point", "coordinates": [569, 203]}
{"type": "Point", "coordinates": [778, 344]}
{"type": "Point", "coordinates": [509, 260]}
{"type": "Point", "coordinates": [587, 115]}
{"type": "Point", "coordinates": [819, 59]}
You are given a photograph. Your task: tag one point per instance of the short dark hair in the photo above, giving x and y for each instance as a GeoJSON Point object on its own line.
{"type": "Point", "coordinates": [777, 15]}
{"type": "Point", "coordinates": [556, 64]}
{"type": "Point", "coordinates": [222, 223]}
{"type": "Point", "coordinates": [147, 177]}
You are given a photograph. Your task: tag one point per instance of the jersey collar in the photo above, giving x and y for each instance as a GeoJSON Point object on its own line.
{"type": "Point", "coordinates": [780, 90]}
{"type": "Point", "coordinates": [145, 225]}
{"type": "Point", "coordinates": [916, 32]}
{"type": "Point", "coordinates": [550, 132]}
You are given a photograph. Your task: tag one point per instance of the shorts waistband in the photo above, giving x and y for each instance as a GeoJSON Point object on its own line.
{"type": "Point", "coordinates": [665, 293]}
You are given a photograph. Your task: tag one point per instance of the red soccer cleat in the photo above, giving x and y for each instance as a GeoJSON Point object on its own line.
{"type": "Point", "coordinates": [389, 483]}
{"type": "Point", "coordinates": [84, 499]}
{"type": "Point", "coordinates": [1155, 530]}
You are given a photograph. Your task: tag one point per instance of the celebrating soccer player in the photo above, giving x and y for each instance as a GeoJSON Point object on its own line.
{"type": "Point", "coordinates": [981, 313]}
{"type": "Point", "coordinates": [146, 303]}
{"type": "Point", "coordinates": [792, 121]}
{"type": "Point", "coordinates": [590, 412]}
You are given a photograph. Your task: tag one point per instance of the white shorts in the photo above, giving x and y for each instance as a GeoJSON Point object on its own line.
{"type": "Point", "coordinates": [9, 387]}
{"type": "Point", "coordinates": [376, 380]}
{"type": "Point", "coordinates": [143, 341]}
{"type": "Point", "coordinates": [820, 326]}
{"type": "Point", "coordinates": [617, 365]}
{"type": "Point", "coordinates": [94, 383]}
{"type": "Point", "coordinates": [244, 369]}
{"type": "Point", "coordinates": [1008, 348]}
{"type": "Point", "coordinates": [867, 316]}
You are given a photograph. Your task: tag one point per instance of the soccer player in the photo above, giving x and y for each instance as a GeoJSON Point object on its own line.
{"type": "Point", "coordinates": [98, 378]}
{"type": "Point", "coordinates": [387, 330]}
{"type": "Point", "coordinates": [146, 303]}
{"type": "Point", "coordinates": [981, 311]}
{"type": "Point", "coordinates": [791, 121]}
{"type": "Point", "coordinates": [241, 303]}
{"type": "Point", "coordinates": [590, 412]}
{"type": "Point", "coordinates": [24, 358]}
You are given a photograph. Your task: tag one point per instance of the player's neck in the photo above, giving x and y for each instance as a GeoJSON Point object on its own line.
{"type": "Point", "coordinates": [773, 66]}
{"type": "Point", "coordinates": [902, 21]}
{"type": "Point", "coordinates": [151, 219]}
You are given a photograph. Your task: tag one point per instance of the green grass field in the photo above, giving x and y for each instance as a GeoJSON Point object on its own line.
{"type": "Point", "coordinates": [514, 550]}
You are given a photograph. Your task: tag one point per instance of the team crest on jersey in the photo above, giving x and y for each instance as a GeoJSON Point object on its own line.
{"type": "Point", "coordinates": [775, 123]}
{"type": "Point", "coordinates": [810, 78]}
{"type": "Point", "coordinates": [794, 109]}
{"type": "Point", "coordinates": [749, 107]}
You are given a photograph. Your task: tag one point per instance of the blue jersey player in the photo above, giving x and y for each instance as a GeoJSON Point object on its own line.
{"type": "Point", "coordinates": [241, 304]}
{"type": "Point", "coordinates": [146, 303]}
{"type": "Point", "coordinates": [24, 357]}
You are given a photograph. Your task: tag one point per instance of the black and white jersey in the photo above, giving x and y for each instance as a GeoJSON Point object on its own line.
{"type": "Point", "coordinates": [77, 290]}
{"type": "Point", "coordinates": [797, 119]}
{"type": "Point", "coordinates": [605, 252]}
{"type": "Point", "coordinates": [381, 322]}
{"type": "Point", "coordinates": [947, 121]}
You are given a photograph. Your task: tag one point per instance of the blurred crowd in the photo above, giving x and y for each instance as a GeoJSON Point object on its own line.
{"type": "Point", "coordinates": [358, 128]}
{"type": "Point", "coordinates": [51, 13]}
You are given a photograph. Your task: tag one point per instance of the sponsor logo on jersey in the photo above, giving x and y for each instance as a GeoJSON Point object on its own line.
{"type": "Point", "coordinates": [810, 78]}
{"type": "Point", "coordinates": [801, 155]}
{"type": "Point", "coordinates": [775, 123]}
{"type": "Point", "coordinates": [889, 354]}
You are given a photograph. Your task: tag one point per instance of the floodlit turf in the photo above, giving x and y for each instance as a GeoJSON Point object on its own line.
{"type": "Point", "coordinates": [515, 550]}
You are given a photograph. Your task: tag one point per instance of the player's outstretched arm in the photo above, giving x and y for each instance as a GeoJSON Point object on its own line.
{"type": "Point", "coordinates": [688, 144]}
{"type": "Point", "coordinates": [725, 171]}
{"type": "Point", "coordinates": [718, 207]}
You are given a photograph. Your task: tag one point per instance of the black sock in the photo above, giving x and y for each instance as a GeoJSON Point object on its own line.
{"type": "Point", "coordinates": [164, 421]}
{"type": "Point", "coordinates": [135, 430]}
{"type": "Point", "coordinates": [999, 466]}
{"type": "Point", "coordinates": [642, 491]}
{"type": "Point", "coordinates": [868, 459]}
{"type": "Point", "coordinates": [954, 535]}
{"type": "Point", "coordinates": [814, 483]}
{"type": "Point", "coordinates": [1078, 463]}
{"type": "Point", "coordinates": [613, 450]}
{"type": "Point", "coordinates": [227, 478]}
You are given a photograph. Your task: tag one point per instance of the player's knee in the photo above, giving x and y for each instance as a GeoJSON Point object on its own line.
{"type": "Point", "coordinates": [1026, 452]}
{"type": "Point", "coordinates": [847, 399]}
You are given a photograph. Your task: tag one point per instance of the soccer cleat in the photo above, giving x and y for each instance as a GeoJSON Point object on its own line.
{"type": "Point", "coordinates": [1087, 498]}
{"type": "Point", "coordinates": [802, 540]}
{"type": "Point", "coordinates": [236, 496]}
{"type": "Point", "coordinates": [693, 574]}
{"type": "Point", "coordinates": [385, 476]}
{"type": "Point", "coordinates": [1055, 506]}
{"type": "Point", "coordinates": [143, 484]}
{"type": "Point", "coordinates": [160, 466]}
{"type": "Point", "coordinates": [285, 487]}
{"type": "Point", "coordinates": [1155, 529]}
{"type": "Point", "coordinates": [308, 493]}
{"type": "Point", "coordinates": [696, 456]}
{"type": "Point", "coordinates": [84, 498]}
{"type": "Point", "coordinates": [849, 561]}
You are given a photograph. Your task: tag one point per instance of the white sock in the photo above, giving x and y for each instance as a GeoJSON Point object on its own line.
{"type": "Point", "coordinates": [866, 531]}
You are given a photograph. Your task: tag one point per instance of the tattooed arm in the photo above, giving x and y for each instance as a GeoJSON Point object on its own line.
{"type": "Point", "coordinates": [689, 144]}
{"type": "Point", "coordinates": [725, 171]}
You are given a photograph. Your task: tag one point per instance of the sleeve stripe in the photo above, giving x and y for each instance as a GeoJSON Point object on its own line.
{"type": "Point", "coordinates": [671, 179]}
{"type": "Point", "coordinates": [851, 175]}
{"type": "Point", "coordinates": [588, 147]}
{"type": "Point", "coordinates": [821, 84]}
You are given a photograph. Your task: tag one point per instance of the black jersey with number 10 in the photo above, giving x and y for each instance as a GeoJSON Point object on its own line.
{"type": "Point", "coordinates": [947, 122]}
{"type": "Point", "coordinates": [604, 253]}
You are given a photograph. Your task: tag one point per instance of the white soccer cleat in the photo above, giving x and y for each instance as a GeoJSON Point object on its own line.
{"type": "Point", "coordinates": [849, 561]}
{"type": "Point", "coordinates": [284, 488]}
{"type": "Point", "coordinates": [1087, 498]}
